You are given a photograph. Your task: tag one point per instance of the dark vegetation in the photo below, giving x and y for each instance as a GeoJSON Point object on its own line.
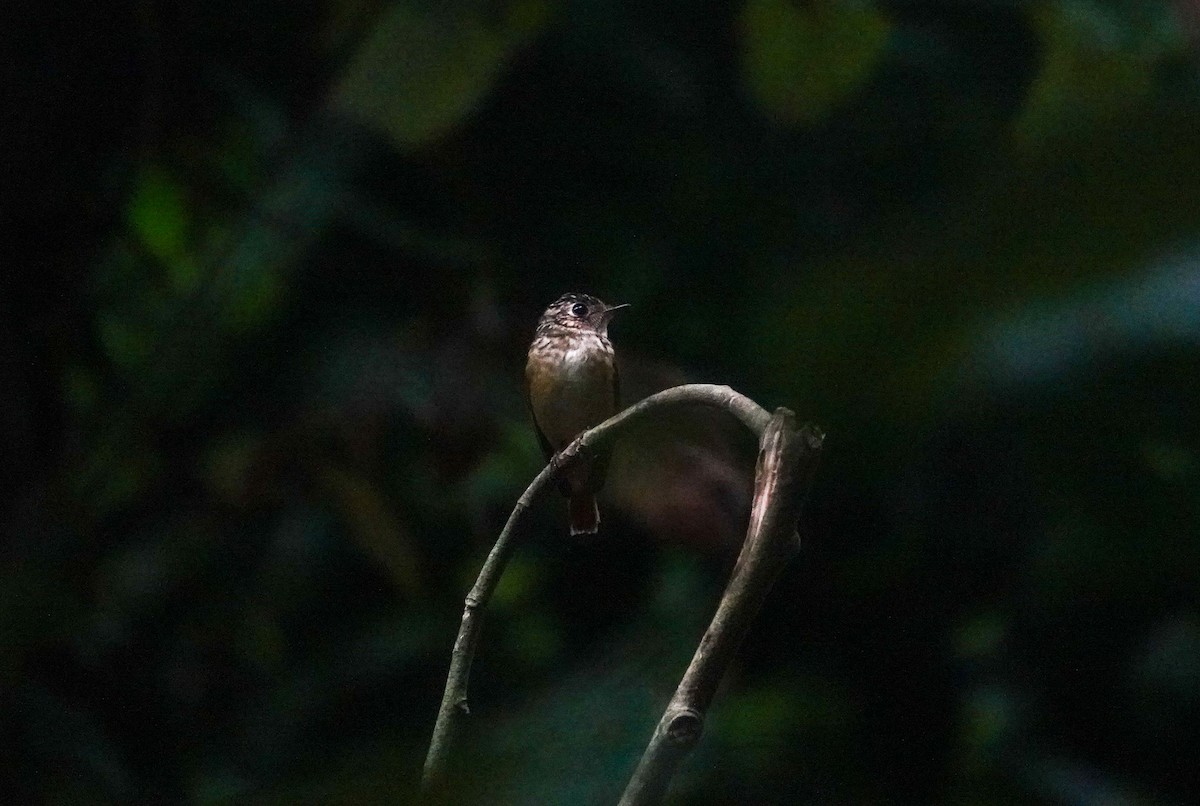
{"type": "Point", "coordinates": [272, 270]}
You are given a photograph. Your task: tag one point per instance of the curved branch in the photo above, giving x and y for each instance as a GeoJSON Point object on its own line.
{"type": "Point", "coordinates": [786, 463]}
{"type": "Point", "coordinates": [454, 700]}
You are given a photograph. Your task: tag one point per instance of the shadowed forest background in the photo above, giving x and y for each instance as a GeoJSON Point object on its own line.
{"type": "Point", "coordinates": [274, 268]}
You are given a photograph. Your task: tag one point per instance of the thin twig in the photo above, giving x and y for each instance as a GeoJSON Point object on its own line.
{"type": "Point", "coordinates": [786, 463]}
{"type": "Point", "coordinates": [454, 699]}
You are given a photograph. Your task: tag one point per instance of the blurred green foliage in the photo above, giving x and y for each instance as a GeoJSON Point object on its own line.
{"type": "Point", "coordinates": [276, 270]}
{"type": "Point", "coordinates": [801, 62]}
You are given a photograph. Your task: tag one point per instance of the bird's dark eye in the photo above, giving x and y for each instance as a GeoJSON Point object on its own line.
{"type": "Point", "coordinates": [579, 309]}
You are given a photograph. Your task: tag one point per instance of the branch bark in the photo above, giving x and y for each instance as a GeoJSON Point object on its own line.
{"type": "Point", "coordinates": [454, 706]}
{"type": "Point", "coordinates": [787, 461]}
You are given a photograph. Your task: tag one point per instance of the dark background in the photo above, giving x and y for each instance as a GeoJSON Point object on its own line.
{"type": "Point", "coordinates": [272, 271]}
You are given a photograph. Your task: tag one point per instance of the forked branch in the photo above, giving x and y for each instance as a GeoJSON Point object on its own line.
{"type": "Point", "coordinates": [786, 461]}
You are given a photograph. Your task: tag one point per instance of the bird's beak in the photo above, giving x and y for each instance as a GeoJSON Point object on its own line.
{"type": "Point", "coordinates": [606, 315]}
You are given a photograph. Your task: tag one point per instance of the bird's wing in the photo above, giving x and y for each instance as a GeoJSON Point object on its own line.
{"type": "Point", "coordinates": [547, 449]}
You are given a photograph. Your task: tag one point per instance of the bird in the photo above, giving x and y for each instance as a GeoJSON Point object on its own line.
{"type": "Point", "coordinates": [571, 385]}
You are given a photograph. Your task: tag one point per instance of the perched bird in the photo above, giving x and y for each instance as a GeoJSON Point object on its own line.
{"type": "Point", "coordinates": [571, 385]}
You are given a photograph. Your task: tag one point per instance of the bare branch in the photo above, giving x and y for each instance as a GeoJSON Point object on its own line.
{"type": "Point", "coordinates": [454, 700]}
{"type": "Point", "coordinates": [786, 463]}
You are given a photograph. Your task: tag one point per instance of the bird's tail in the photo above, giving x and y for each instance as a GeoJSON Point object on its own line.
{"type": "Point", "coordinates": [585, 515]}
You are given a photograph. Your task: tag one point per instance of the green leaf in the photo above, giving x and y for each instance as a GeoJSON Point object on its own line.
{"type": "Point", "coordinates": [158, 214]}
{"type": "Point", "coordinates": [424, 69]}
{"type": "Point", "coordinates": [801, 63]}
